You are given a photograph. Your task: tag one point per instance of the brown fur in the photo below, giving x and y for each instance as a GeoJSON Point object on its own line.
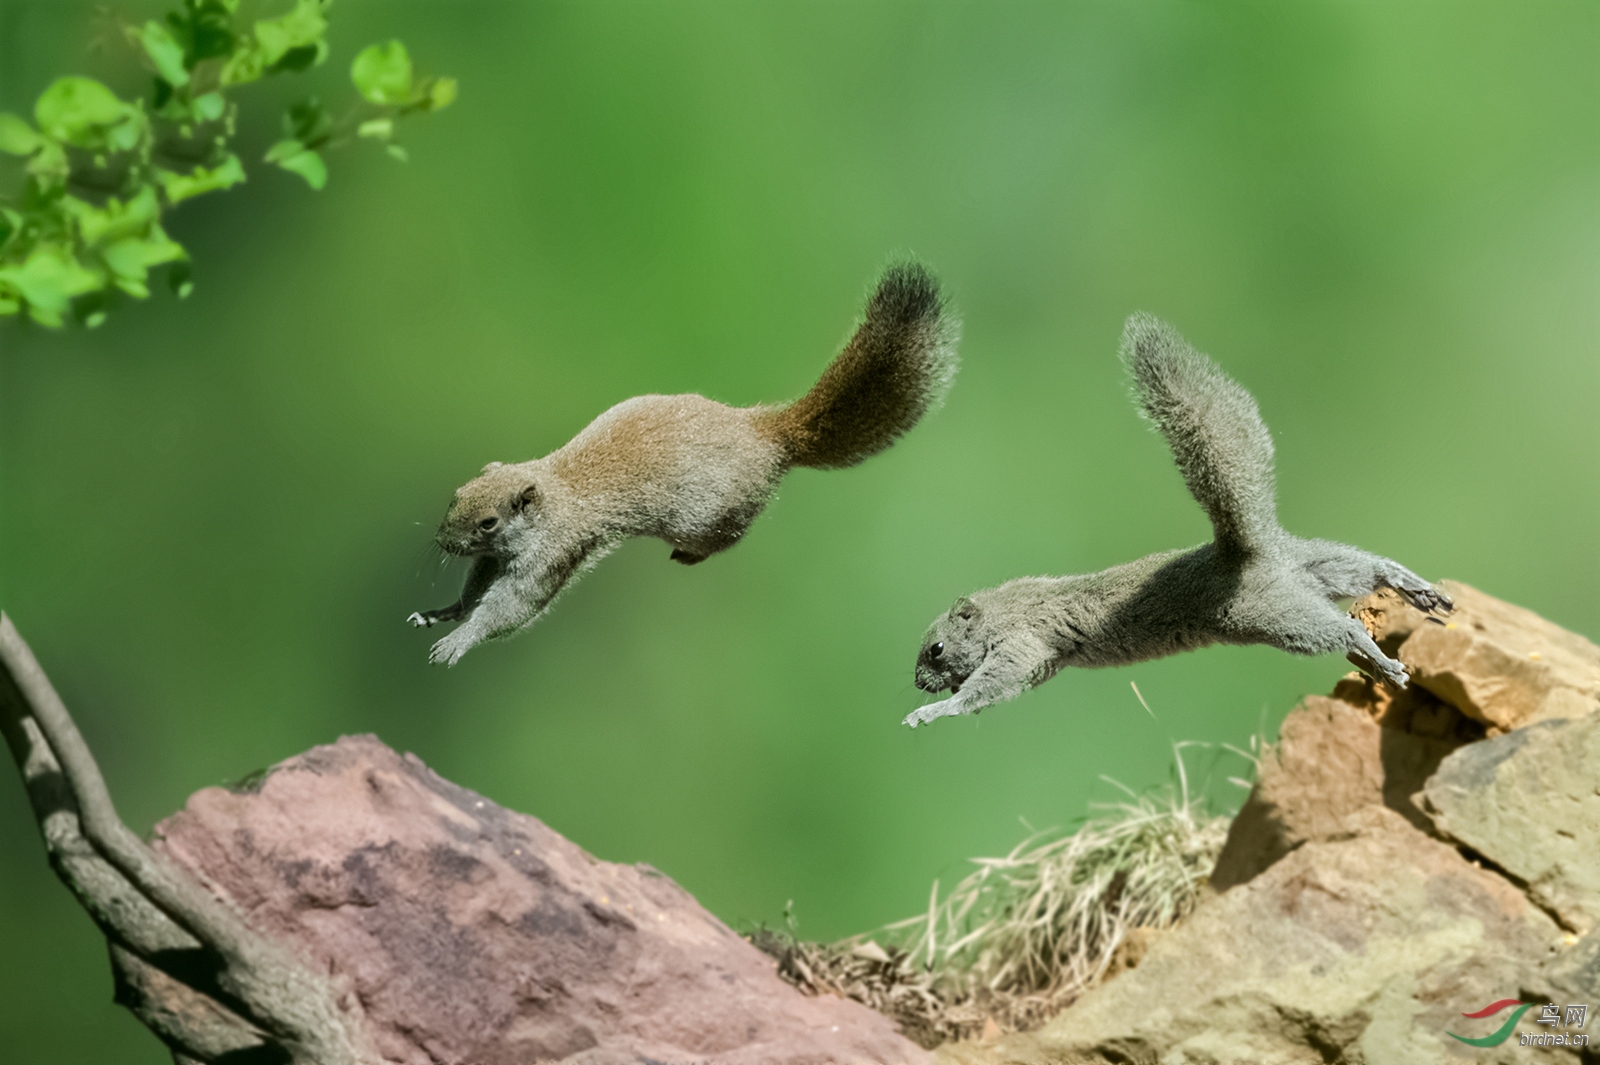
{"type": "Point", "coordinates": [685, 469]}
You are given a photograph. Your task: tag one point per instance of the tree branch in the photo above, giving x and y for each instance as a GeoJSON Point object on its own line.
{"type": "Point", "coordinates": [186, 963]}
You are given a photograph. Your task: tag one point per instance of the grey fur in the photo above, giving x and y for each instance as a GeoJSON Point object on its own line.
{"type": "Point", "coordinates": [685, 469]}
{"type": "Point", "coordinates": [1255, 583]}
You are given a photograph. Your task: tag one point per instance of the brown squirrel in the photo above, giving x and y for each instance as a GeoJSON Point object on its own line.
{"type": "Point", "coordinates": [685, 469]}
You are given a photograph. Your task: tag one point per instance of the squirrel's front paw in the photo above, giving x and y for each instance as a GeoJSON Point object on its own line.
{"type": "Point", "coordinates": [943, 708]}
{"type": "Point", "coordinates": [449, 650]}
{"type": "Point", "coordinates": [420, 620]}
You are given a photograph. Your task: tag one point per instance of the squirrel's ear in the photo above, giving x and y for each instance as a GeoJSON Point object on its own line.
{"type": "Point", "coordinates": [529, 496]}
{"type": "Point", "coordinates": [491, 466]}
{"type": "Point", "coordinates": [965, 609]}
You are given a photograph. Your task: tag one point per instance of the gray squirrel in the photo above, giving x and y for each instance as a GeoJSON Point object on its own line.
{"type": "Point", "coordinates": [1254, 583]}
{"type": "Point", "coordinates": [685, 469]}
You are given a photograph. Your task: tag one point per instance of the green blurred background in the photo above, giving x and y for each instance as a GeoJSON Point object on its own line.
{"type": "Point", "coordinates": [214, 515]}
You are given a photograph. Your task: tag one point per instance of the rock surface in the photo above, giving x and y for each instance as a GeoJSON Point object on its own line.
{"type": "Point", "coordinates": [1529, 802]}
{"type": "Point", "coordinates": [1391, 870]}
{"type": "Point", "coordinates": [1365, 948]}
{"type": "Point", "coordinates": [1501, 664]}
{"type": "Point", "coordinates": [468, 934]}
{"type": "Point", "coordinates": [1332, 759]}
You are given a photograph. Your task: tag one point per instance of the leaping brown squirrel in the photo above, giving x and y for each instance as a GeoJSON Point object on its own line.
{"type": "Point", "coordinates": [1254, 583]}
{"type": "Point", "coordinates": [685, 469]}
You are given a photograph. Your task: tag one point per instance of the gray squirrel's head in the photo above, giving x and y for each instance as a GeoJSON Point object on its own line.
{"type": "Point", "coordinates": [953, 649]}
{"type": "Point", "coordinates": [488, 509]}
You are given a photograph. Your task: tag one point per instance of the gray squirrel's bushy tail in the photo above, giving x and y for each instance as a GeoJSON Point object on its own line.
{"type": "Point", "coordinates": [1213, 427]}
{"type": "Point", "coordinates": [897, 366]}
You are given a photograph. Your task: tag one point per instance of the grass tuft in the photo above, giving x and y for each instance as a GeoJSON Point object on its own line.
{"type": "Point", "coordinates": [1025, 934]}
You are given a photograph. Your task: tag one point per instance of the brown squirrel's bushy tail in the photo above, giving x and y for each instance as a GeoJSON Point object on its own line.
{"type": "Point", "coordinates": [897, 367]}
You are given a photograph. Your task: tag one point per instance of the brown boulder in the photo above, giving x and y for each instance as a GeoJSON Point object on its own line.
{"type": "Point", "coordinates": [467, 934]}
{"type": "Point", "coordinates": [1333, 757]}
{"type": "Point", "coordinates": [1501, 664]}
{"type": "Point", "coordinates": [1489, 667]}
{"type": "Point", "coordinates": [1364, 947]}
{"type": "Point", "coordinates": [1529, 802]}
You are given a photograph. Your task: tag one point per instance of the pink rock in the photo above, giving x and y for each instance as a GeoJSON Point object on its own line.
{"type": "Point", "coordinates": [468, 934]}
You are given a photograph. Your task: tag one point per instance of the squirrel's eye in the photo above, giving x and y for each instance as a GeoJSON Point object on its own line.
{"type": "Point", "coordinates": [936, 650]}
{"type": "Point", "coordinates": [488, 523]}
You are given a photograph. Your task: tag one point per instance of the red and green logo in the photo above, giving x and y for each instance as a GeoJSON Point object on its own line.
{"type": "Point", "coordinates": [1501, 1034]}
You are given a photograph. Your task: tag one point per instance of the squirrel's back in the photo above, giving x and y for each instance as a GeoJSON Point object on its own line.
{"type": "Point", "coordinates": [670, 465]}
{"type": "Point", "coordinates": [897, 366]}
{"type": "Point", "coordinates": [1212, 425]}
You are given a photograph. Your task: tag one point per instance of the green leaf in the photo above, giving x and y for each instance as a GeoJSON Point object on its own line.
{"type": "Point", "coordinates": [382, 73]}
{"type": "Point", "coordinates": [80, 111]}
{"type": "Point", "coordinates": [296, 59]}
{"type": "Point", "coordinates": [49, 166]}
{"type": "Point", "coordinates": [116, 220]}
{"type": "Point", "coordinates": [296, 158]}
{"type": "Point", "coordinates": [90, 309]}
{"type": "Point", "coordinates": [307, 121]}
{"type": "Point", "coordinates": [125, 136]}
{"type": "Point", "coordinates": [208, 108]}
{"type": "Point", "coordinates": [205, 29]}
{"type": "Point", "coordinates": [9, 304]}
{"type": "Point", "coordinates": [379, 128]}
{"type": "Point", "coordinates": [180, 279]}
{"type": "Point", "coordinates": [180, 187]}
{"type": "Point", "coordinates": [164, 51]}
{"type": "Point", "coordinates": [244, 66]}
{"type": "Point", "coordinates": [303, 27]}
{"type": "Point", "coordinates": [17, 137]}
{"type": "Point", "coordinates": [282, 150]}
{"type": "Point", "coordinates": [130, 260]}
{"type": "Point", "coordinates": [442, 93]}
{"type": "Point", "coordinates": [48, 280]}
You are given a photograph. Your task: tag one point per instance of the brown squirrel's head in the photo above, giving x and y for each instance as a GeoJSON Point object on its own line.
{"type": "Point", "coordinates": [485, 509]}
{"type": "Point", "coordinates": [953, 649]}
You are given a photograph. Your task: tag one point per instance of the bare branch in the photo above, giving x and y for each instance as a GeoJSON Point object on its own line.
{"type": "Point", "coordinates": [186, 963]}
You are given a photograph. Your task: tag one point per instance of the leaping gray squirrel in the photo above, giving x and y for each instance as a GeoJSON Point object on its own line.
{"type": "Point", "coordinates": [685, 469]}
{"type": "Point", "coordinates": [1254, 583]}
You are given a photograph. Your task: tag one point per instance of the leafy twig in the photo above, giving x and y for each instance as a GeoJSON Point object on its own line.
{"type": "Point", "coordinates": [99, 172]}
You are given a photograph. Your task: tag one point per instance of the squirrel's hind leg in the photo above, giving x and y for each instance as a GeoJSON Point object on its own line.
{"type": "Point", "coordinates": [1347, 572]}
{"type": "Point", "coordinates": [1418, 592]}
{"type": "Point", "coordinates": [1307, 629]}
{"type": "Point", "coordinates": [1363, 651]}
{"type": "Point", "coordinates": [694, 549]}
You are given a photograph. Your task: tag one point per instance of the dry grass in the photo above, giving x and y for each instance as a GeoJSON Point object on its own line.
{"type": "Point", "coordinates": [1023, 935]}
